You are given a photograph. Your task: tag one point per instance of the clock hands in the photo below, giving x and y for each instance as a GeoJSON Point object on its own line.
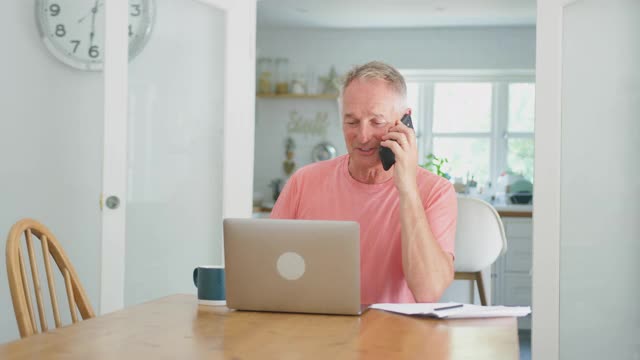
{"type": "Point", "coordinates": [89, 13]}
{"type": "Point", "coordinates": [94, 11]}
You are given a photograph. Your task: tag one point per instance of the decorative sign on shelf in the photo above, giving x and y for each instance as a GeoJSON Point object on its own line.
{"type": "Point", "coordinates": [317, 126]}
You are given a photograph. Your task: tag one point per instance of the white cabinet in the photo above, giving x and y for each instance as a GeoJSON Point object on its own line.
{"type": "Point", "coordinates": [511, 273]}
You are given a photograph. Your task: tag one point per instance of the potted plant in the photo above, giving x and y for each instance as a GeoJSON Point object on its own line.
{"type": "Point", "coordinates": [436, 165]}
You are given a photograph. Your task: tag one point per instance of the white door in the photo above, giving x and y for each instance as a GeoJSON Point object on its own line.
{"type": "Point", "coordinates": [179, 141]}
{"type": "Point", "coordinates": [585, 283]}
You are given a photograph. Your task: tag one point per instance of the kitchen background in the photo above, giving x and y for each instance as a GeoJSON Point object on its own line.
{"type": "Point", "coordinates": [312, 52]}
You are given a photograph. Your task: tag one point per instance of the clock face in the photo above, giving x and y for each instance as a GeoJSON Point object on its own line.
{"type": "Point", "coordinates": [73, 30]}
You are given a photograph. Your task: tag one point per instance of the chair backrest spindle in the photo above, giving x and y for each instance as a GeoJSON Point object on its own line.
{"type": "Point", "coordinates": [25, 292]}
{"type": "Point", "coordinates": [19, 283]}
{"type": "Point", "coordinates": [35, 276]}
{"type": "Point", "coordinates": [51, 282]}
{"type": "Point", "coordinates": [70, 299]}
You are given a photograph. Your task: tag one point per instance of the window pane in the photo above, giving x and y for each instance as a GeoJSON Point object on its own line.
{"type": "Point", "coordinates": [462, 107]}
{"type": "Point", "coordinates": [467, 156]}
{"type": "Point", "coordinates": [413, 101]}
{"type": "Point", "coordinates": [521, 107]}
{"type": "Point", "coordinates": [520, 157]}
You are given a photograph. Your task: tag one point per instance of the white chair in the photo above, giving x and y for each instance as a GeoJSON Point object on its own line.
{"type": "Point", "coordinates": [480, 239]}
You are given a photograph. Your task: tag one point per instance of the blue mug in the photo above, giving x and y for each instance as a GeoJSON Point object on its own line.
{"type": "Point", "coordinates": [209, 280]}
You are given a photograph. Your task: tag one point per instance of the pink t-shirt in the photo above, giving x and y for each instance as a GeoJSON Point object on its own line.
{"type": "Point", "coordinates": [326, 191]}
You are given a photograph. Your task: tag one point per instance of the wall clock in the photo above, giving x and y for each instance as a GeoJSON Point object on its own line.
{"type": "Point", "coordinates": [73, 30]}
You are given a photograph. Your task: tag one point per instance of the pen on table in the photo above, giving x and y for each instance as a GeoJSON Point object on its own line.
{"type": "Point", "coordinates": [448, 307]}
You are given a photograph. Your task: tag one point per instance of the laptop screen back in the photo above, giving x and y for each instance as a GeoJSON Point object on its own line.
{"type": "Point", "coordinates": [307, 266]}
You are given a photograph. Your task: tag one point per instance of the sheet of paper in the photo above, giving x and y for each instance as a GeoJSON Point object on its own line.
{"type": "Point", "coordinates": [454, 310]}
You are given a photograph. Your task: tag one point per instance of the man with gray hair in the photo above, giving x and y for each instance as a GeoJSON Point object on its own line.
{"type": "Point", "coordinates": [407, 215]}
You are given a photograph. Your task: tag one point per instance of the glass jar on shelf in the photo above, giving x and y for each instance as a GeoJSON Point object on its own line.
{"type": "Point", "coordinates": [298, 84]}
{"type": "Point", "coordinates": [282, 76]}
{"type": "Point", "coordinates": [265, 76]}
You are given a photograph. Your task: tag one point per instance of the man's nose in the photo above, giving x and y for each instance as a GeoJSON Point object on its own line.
{"type": "Point", "coordinates": [364, 133]}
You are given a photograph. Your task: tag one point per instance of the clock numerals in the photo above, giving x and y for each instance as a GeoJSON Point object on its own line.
{"type": "Point", "coordinates": [74, 29]}
{"type": "Point", "coordinates": [135, 10]}
{"type": "Point", "coordinates": [54, 9]}
{"type": "Point", "coordinates": [75, 43]}
{"type": "Point", "coordinates": [60, 30]}
{"type": "Point", "coordinates": [94, 52]}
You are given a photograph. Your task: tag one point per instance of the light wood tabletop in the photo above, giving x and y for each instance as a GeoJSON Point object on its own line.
{"type": "Point", "coordinates": [176, 327]}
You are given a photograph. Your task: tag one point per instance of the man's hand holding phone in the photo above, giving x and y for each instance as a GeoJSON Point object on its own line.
{"type": "Point", "coordinates": [401, 141]}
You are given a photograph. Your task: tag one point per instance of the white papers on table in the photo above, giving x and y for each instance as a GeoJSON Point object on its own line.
{"type": "Point", "coordinates": [454, 310]}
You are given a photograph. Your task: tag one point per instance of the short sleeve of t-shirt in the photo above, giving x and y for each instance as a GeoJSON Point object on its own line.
{"type": "Point", "coordinates": [441, 207]}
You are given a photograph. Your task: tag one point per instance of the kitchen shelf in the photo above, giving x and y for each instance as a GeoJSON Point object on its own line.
{"type": "Point", "coordinates": [299, 96]}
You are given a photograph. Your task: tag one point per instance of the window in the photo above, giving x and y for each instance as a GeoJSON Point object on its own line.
{"type": "Point", "coordinates": [482, 122]}
{"type": "Point", "coordinates": [520, 129]}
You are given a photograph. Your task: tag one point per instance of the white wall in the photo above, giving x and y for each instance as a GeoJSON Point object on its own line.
{"type": "Point", "coordinates": [311, 50]}
{"type": "Point", "coordinates": [600, 179]}
{"type": "Point", "coordinates": [437, 48]}
{"type": "Point", "coordinates": [50, 151]}
{"type": "Point", "coordinates": [587, 208]}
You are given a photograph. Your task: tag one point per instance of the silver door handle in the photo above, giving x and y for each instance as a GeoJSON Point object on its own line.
{"type": "Point", "coordinates": [112, 202]}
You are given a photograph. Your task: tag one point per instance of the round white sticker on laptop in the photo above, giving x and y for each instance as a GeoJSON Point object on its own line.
{"type": "Point", "coordinates": [291, 266]}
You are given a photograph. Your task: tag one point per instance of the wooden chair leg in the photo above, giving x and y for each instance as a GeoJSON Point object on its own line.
{"type": "Point", "coordinates": [483, 297]}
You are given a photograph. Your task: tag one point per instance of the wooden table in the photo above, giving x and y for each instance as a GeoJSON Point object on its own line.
{"type": "Point", "coordinates": [175, 327]}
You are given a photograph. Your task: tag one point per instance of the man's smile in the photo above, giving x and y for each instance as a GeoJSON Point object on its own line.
{"type": "Point", "coordinates": [366, 150]}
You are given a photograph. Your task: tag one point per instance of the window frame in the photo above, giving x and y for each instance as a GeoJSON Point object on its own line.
{"type": "Point", "coordinates": [498, 135]}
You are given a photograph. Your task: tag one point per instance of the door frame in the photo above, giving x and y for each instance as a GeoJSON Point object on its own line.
{"type": "Point", "coordinates": [546, 205]}
{"type": "Point", "coordinates": [238, 151]}
{"type": "Point", "coordinates": [238, 138]}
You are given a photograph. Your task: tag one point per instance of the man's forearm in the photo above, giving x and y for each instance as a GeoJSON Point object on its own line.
{"type": "Point", "coordinates": [427, 268]}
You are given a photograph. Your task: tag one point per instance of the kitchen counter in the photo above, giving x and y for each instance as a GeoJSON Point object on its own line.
{"type": "Point", "coordinates": [514, 210]}
{"type": "Point", "coordinates": [508, 210]}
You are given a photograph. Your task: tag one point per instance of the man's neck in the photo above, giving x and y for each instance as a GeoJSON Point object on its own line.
{"type": "Point", "coordinates": [372, 175]}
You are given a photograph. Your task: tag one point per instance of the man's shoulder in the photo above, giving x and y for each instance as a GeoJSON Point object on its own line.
{"type": "Point", "coordinates": [428, 181]}
{"type": "Point", "coordinates": [426, 175]}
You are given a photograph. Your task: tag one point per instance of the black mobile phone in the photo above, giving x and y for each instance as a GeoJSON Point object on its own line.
{"type": "Point", "coordinates": [386, 155]}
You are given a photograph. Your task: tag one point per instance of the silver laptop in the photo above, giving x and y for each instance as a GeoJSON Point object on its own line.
{"type": "Point", "coordinates": [306, 266]}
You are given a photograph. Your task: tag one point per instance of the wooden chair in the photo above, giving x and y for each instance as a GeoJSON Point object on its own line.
{"type": "Point", "coordinates": [480, 239]}
{"type": "Point", "coordinates": [18, 279]}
